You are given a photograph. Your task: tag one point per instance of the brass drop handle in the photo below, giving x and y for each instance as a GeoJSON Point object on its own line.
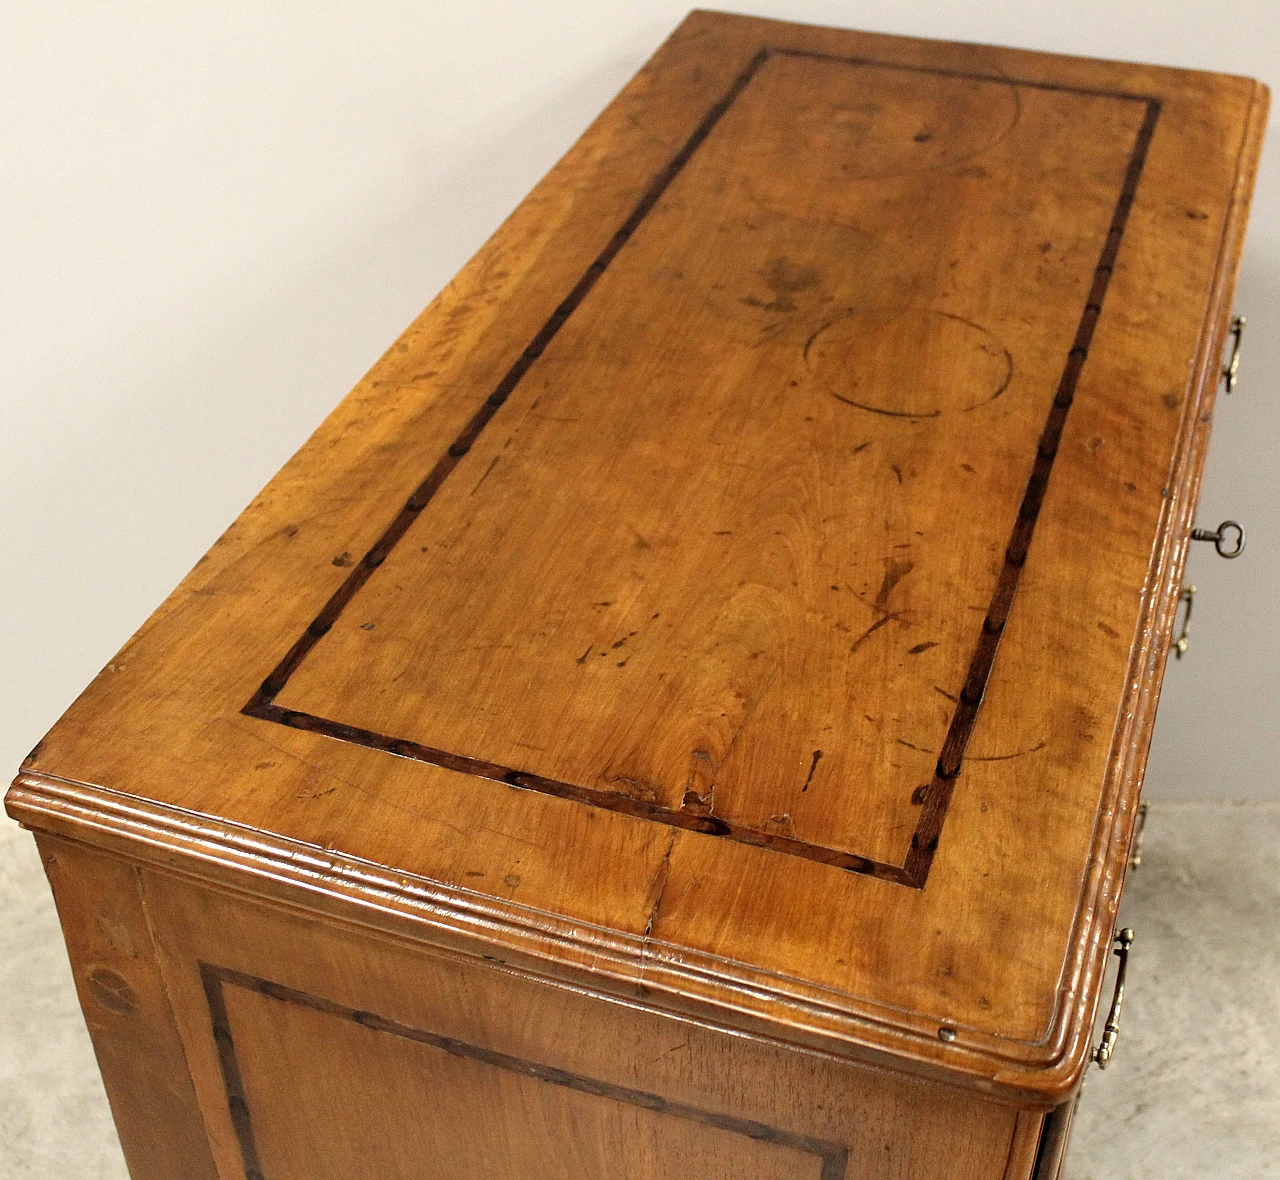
{"type": "Point", "coordinates": [1180, 644]}
{"type": "Point", "coordinates": [1231, 370]}
{"type": "Point", "coordinates": [1111, 1030]}
{"type": "Point", "coordinates": [1227, 538]}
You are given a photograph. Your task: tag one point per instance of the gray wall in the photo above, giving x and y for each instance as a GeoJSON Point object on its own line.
{"type": "Point", "coordinates": [214, 222]}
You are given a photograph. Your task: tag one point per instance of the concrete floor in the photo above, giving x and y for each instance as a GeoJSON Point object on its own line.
{"type": "Point", "coordinates": [1194, 1088]}
{"type": "Point", "coordinates": [1193, 1092]}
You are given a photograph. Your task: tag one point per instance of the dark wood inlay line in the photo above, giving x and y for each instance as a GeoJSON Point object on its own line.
{"type": "Point", "coordinates": [688, 820]}
{"type": "Point", "coordinates": [834, 1156]}
{"type": "Point", "coordinates": [965, 75]}
{"type": "Point", "coordinates": [914, 872]}
{"type": "Point", "coordinates": [422, 495]}
{"type": "Point", "coordinates": [211, 980]}
{"type": "Point", "coordinates": [924, 841]}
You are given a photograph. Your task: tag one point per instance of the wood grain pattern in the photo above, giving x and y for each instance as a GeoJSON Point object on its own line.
{"type": "Point", "coordinates": [732, 1159]}
{"type": "Point", "coordinates": [343, 1054]}
{"type": "Point", "coordinates": [1023, 1152]}
{"type": "Point", "coordinates": [708, 721]}
{"type": "Point", "coordinates": [906, 229]}
{"type": "Point", "coordinates": [128, 1013]}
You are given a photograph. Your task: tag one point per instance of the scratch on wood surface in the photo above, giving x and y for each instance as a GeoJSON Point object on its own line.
{"type": "Point", "coordinates": [492, 464]}
{"type": "Point", "coordinates": [746, 717]}
{"type": "Point", "coordinates": [870, 631]}
{"type": "Point", "coordinates": [768, 332]}
{"type": "Point", "coordinates": [508, 836]}
{"type": "Point", "coordinates": [659, 887]}
{"type": "Point", "coordinates": [817, 755]}
{"type": "Point", "coordinates": [376, 796]}
{"type": "Point", "coordinates": [1040, 745]}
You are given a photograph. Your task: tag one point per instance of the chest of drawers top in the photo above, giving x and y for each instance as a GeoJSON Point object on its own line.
{"type": "Point", "coordinates": [745, 589]}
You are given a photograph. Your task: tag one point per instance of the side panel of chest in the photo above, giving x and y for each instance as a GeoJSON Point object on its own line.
{"type": "Point", "coordinates": [319, 1052]}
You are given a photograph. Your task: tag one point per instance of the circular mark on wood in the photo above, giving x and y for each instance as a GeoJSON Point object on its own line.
{"type": "Point", "coordinates": [112, 991]}
{"type": "Point", "coordinates": [876, 138]}
{"type": "Point", "coordinates": [908, 362]}
{"type": "Point", "coordinates": [871, 125]}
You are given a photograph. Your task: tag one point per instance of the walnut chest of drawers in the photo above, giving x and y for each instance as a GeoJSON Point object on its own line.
{"type": "Point", "coordinates": [684, 713]}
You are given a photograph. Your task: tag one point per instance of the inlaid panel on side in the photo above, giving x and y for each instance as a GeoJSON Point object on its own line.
{"type": "Point", "coordinates": [323, 1052]}
{"type": "Point", "coordinates": [732, 544]}
{"type": "Point", "coordinates": [443, 1108]}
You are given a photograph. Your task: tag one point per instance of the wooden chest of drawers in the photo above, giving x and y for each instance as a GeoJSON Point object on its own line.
{"type": "Point", "coordinates": [684, 713]}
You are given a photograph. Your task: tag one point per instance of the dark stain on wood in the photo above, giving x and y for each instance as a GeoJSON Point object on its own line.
{"type": "Point", "coordinates": [817, 755]}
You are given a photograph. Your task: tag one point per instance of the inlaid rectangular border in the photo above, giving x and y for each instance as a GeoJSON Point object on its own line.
{"type": "Point", "coordinates": [914, 871]}
{"type": "Point", "coordinates": [214, 979]}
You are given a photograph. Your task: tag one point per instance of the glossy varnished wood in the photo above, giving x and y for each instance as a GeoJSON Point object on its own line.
{"type": "Point", "coordinates": [743, 592]}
